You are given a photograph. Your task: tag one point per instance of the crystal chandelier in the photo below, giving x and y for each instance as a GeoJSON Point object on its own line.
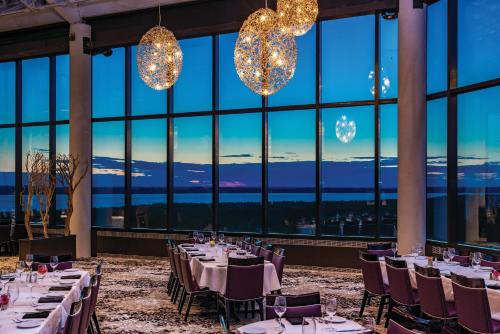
{"type": "Point", "coordinates": [264, 56]}
{"type": "Point", "coordinates": [159, 57]}
{"type": "Point", "coordinates": [296, 17]}
{"type": "Point", "coordinates": [345, 129]}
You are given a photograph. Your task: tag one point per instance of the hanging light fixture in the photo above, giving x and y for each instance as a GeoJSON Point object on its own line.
{"type": "Point", "coordinates": [159, 57]}
{"type": "Point", "coordinates": [296, 17]}
{"type": "Point", "coordinates": [264, 56]}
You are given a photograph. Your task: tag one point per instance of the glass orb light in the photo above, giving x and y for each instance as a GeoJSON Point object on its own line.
{"type": "Point", "coordinates": [264, 56]}
{"type": "Point", "coordinates": [345, 129]}
{"type": "Point", "coordinates": [296, 17]}
{"type": "Point", "coordinates": [385, 82]}
{"type": "Point", "coordinates": [159, 58]}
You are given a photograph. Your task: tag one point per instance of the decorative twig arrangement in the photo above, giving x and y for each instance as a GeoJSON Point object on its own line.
{"type": "Point", "coordinates": [32, 169]}
{"type": "Point", "coordinates": [45, 187]}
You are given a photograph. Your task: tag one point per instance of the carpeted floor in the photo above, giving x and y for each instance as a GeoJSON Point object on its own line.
{"type": "Point", "coordinates": [133, 296]}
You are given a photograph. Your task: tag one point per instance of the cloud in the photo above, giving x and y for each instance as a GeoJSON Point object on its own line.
{"type": "Point", "coordinates": [244, 155]}
{"type": "Point", "coordinates": [195, 171]}
{"type": "Point", "coordinates": [232, 184]}
{"type": "Point", "coordinates": [278, 157]}
{"type": "Point", "coordinates": [195, 181]}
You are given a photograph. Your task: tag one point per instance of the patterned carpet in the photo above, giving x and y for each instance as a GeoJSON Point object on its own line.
{"type": "Point", "coordinates": [133, 296]}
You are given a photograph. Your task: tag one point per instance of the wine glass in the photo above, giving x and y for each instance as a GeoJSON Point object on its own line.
{"type": "Point", "coordinates": [476, 260]}
{"type": "Point", "coordinates": [221, 238]}
{"type": "Point", "coordinates": [280, 309]}
{"type": "Point", "coordinates": [4, 278]}
{"type": "Point", "coordinates": [369, 325]}
{"type": "Point", "coordinates": [13, 292]}
{"type": "Point", "coordinates": [54, 262]}
{"type": "Point", "coordinates": [308, 326]}
{"type": "Point", "coordinates": [42, 271]}
{"type": "Point", "coordinates": [195, 236]}
{"type": "Point", "coordinates": [331, 311]}
{"type": "Point", "coordinates": [394, 248]}
{"type": "Point", "coordinates": [451, 253]}
{"type": "Point", "coordinates": [446, 256]}
{"type": "Point", "coordinates": [29, 261]}
{"type": "Point", "coordinates": [201, 238]}
{"type": "Point", "coordinates": [20, 268]}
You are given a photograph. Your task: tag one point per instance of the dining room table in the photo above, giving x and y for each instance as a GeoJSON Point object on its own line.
{"type": "Point", "coordinates": [209, 266]}
{"type": "Point", "coordinates": [42, 308]}
{"type": "Point", "coordinates": [270, 326]}
{"type": "Point", "coordinates": [493, 286]}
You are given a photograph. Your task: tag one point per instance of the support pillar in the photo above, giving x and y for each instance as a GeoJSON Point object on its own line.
{"type": "Point", "coordinates": [412, 126]}
{"type": "Point", "coordinates": [80, 141]}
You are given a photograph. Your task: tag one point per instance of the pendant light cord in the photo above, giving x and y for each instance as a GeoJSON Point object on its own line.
{"type": "Point", "coordinates": [159, 14]}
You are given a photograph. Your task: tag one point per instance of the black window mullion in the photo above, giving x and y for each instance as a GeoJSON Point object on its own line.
{"type": "Point", "coordinates": [52, 131]}
{"type": "Point", "coordinates": [319, 139]}
{"type": "Point", "coordinates": [264, 154]}
{"type": "Point", "coordinates": [128, 141]}
{"type": "Point", "coordinates": [377, 127]}
{"type": "Point", "coordinates": [215, 132]}
{"type": "Point", "coordinates": [19, 141]}
{"type": "Point", "coordinates": [170, 160]}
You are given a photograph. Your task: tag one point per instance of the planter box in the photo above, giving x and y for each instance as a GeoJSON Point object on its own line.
{"type": "Point", "coordinates": [56, 245]}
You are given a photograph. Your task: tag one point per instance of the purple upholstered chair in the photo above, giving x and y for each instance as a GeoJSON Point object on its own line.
{"type": "Point", "coordinates": [191, 288]}
{"type": "Point", "coordinates": [72, 325]}
{"type": "Point", "coordinates": [243, 284]}
{"type": "Point", "coordinates": [60, 266]}
{"type": "Point", "coordinates": [380, 252]}
{"type": "Point", "coordinates": [395, 328]}
{"type": "Point", "coordinates": [86, 303]}
{"type": "Point", "coordinates": [431, 293]}
{"type": "Point", "coordinates": [303, 305]}
{"type": "Point", "coordinates": [180, 285]}
{"type": "Point", "coordinates": [279, 265]}
{"type": "Point", "coordinates": [175, 277]}
{"type": "Point", "coordinates": [494, 265]}
{"type": "Point", "coordinates": [401, 291]}
{"type": "Point", "coordinates": [255, 250]}
{"type": "Point", "coordinates": [171, 277]}
{"type": "Point", "coordinates": [374, 283]}
{"type": "Point", "coordinates": [267, 254]}
{"type": "Point", "coordinates": [464, 260]}
{"type": "Point", "coordinates": [250, 261]}
{"type": "Point", "coordinates": [472, 304]}
{"type": "Point", "coordinates": [95, 294]}
{"type": "Point", "coordinates": [296, 311]}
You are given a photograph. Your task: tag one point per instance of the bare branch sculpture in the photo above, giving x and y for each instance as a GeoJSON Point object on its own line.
{"type": "Point", "coordinates": [32, 169]}
{"type": "Point", "coordinates": [45, 186]}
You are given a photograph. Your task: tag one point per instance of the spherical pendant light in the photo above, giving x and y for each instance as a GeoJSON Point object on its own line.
{"type": "Point", "coordinates": [345, 129]}
{"type": "Point", "coordinates": [296, 17]}
{"type": "Point", "coordinates": [264, 56]}
{"type": "Point", "coordinates": [159, 58]}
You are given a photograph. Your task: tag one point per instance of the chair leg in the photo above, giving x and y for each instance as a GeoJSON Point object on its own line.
{"type": "Point", "coordinates": [261, 309]}
{"type": "Point", "coordinates": [175, 287]}
{"type": "Point", "coordinates": [246, 310]}
{"type": "Point", "coordinates": [96, 323]}
{"type": "Point", "coordinates": [389, 312]}
{"type": "Point", "coordinates": [182, 300]}
{"type": "Point", "coordinates": [191, 297]}
{"type": "Point", "coordinates": [252, 303]}
{"type": "Point", "coordinates": [228, 314]}
{"type": "Point", "coordinates": [363, 303]}
{"type": "Point", "coordinates": [381, 308]}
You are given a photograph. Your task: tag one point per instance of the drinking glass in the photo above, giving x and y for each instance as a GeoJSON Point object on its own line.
{"type": "Point", "coordinates": [195, 236]}
{"type": "Point", "coordinates": [394, 248]}
{"type": "Point", "coordinates": [221, 238]}
{"type": "Point", "coordinates": [54, 262]}
{"type": "Point", "coordinates": [13, 292]}
{"type": "Point", "coordinates": [29, 261]}
{"type": "Point", "coordinates": [201, 238]}
{"type": "Point", "coordinates": [331, 311]}
{"type": "Point", "coordinates": [42, 271]}
{"type": "Point", "coordinates": [280, 309]}
{"type": "Point", "coordinates": [446, 256]}
{"type": "Point", "coordinates": [476, 259]}
{"type": "Point", "coordinates": [30, 282]}
{"type": "Point", "coordinates": [20, 268]}
{"type": "Point", "coordinates": [451, 253]}
{"type": "Point", "coordinates": [369, 325]}
{"type": "Point", "coordinates": [4, 278]}
{"type": "Point", "coordinates": [308, 326]}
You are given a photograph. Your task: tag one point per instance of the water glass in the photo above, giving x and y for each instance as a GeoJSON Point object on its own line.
{"type": "Point", "coordinates": [20, 268]}
{"type": "Point", "coordinates": [369, 325]}
{"type": "Point", "coordinates": [29, 261]}
{"type": "Point", "coordinates": [394, 248]}
{"type": "Point", "coordinates": [451, 253]}
{"type": "Point", "coordinates": [308, 326]}
{"type": "Point", "coordinates": [331, 311]}
{"type": "Point", "coordinates": [476, 259]}
{"type": "Point", "coordinates": [221, 238]}
{"type": "Point", "coordinates": [280, 309]}
{"type": "Point", "coordinates": [4, 278]}
{"type": "Point", "coordinates": [54, 262]}
{"type": "Point", "coordinates": [13, 292]}
{"type": "Point", "coordinates": [201, 238]}
{"type": "Point", "coordinates": [446, 256]}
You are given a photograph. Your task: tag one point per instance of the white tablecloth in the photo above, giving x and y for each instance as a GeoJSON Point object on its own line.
{"type": "Point", "coordinates": [212, 274]}
{"type": "Point", "coordinates": [493, 295]}
{"type": "Point", "coordinates": [57, 318]}
{"type": "Point", "coordinates": [270, 325]}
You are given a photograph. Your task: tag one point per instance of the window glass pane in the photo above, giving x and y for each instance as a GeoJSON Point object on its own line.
{"type": "Point", "coordinates": [348, 171]}
{"type": "Point", "coordinates": [149, 174]}
{"type": "Point", "coordinates": [388, 76]}
{"type": "Point", "coordinates": [301, 89]}
{"type": "Point", "coordinates": [478, 41]}
{"type": "Point", "coordinates": [233, 94]}
{"type": "Point", "coordinates": [192, 173]}
{"type": "Point", "coordinates": [62, 87]}
{"type": "Point", "coordinates": [437, 46]}
{"type": "Point", "coordinates": [436, 169]}
{"type": "Point", "coordinates": [36, 90]}
{"type": "Point", "coordinates": [35, 139]}
{"type": "Point", "coordinates": [7, 175]}
{"type": "Point", "coordinates": [62, 147]}
{"type": "Point", "coordinates": [108, 170]}
{"type": "Point", "coordinates": [348, 49]}
{"type": "Point", "coordinates": [108, 84]}
{"type": "Point", "coordinates": [193, 90]}
{"type": "Point", "coordinates": [478, 166]}
{"type": "Point", "coordinates": [145, 100]}
{"type": "Point", "coordinates": [388, 169]}
{"type": "Point", "coordinates": [8, 92]}
{"type": "Point", "coordinates": [240, 172]}
{"type": "Point", "coordinates": [291, 172]}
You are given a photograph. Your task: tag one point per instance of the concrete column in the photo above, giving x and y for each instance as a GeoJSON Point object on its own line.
{"type": "Point", "coordinates": [412, 126]}
{"type": "Point", "coordinates": [80, 139]}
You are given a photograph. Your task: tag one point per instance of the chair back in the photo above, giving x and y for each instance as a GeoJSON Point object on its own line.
{"type": "Point", "coordinates": [255, 250]}
{"type": "Point", "coordinates": [172, 261]}
{"type": "Point", "coordinates": [494, 265]}
{"type": "Point", "coordinates": [267, 254]}
{"type": "Point", "coordinates": [60, 266]}
{"type": "Point", "coordinates": [258, 243]}
{"type": "Point", "coordinates": [72, 325]}
{"type": "Point", "coordinates": [379, 246]}
{"type": "Point", "coordinates": [296, 300]}
{"type": "Point", "coordinates": [279, 265]}
{"type": "Point", "coordinates": [96, 283]}
{"type": "Point", "coordinates": [250, 261]}
{"type": "Point", "coordinates": [372, 274]}
{"type": "Point", "coordinates": [471, 301]}
{"type": "Point", "coordinates": [86, 303]}
{"type": "Point", "coordinates": [269, 247]}
{"type": "Point", "coordinates": [296, 311]}
{"type": "Point", "coordinates": [279, 251]}
{"type": "Point", "coordinates": [177, 263]}
{"type": "Point", "coordinates": [395, 328]}
{"type": "Point", "coordinates": [244, 282]}
{"type": "Point", "coordinates": [399, 282]}
{"type": "Point", "coordinates": [189, 283]}
{"type": "Point", "coordinates": [431, 292]}
{"type": "Point", "coordinates": [464, 260]}
{"type": "Point", "coordinates": [380, 252]}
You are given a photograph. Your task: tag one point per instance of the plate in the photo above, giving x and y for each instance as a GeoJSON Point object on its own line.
{"type": "Point", "coordinates": [29, 324]}
{"type": "Point", "coordinates": [337, 320]}
{"type": "Point", "coordinates": [254, 330]}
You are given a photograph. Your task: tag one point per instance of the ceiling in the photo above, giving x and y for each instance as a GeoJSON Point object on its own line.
{"type": "Point", "coordinates": [20, 14]}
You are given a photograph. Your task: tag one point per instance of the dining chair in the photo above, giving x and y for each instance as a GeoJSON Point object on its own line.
{"type": "Point", "coordinates": [65, 262]}
{"type": "Point", "coordinates": [493, 264]}
{"type": "Point", "coordinates": [279, 265]}
{"type": "Point", "coordinates": [72, 324]}
{"type": "Point", "coordinates": [171, 276]}
{"type": "Point", "coordinates": [473, 308]}
{"type": "Point", "coordinates": [432, 298]}
{"type": "Point", "coordinates": [95, 294]}
{"type": "Point", "coordinates": [243, 284]}
{"type": "Point", "coordinates": [463, 260]}
{"type": "Point", "coordinates": [250, 261]}
{"type": "Point", "coordinates": [400, 289]}
{"type": "Point", "coordinates": [191, 288]}
{"type": "Point", "coordinates": [296, 311]}
{"type": "Point", "coordinates": [303, 299]}
{"type": "Point", "coordinates": [374, 283]}
{"type": "Point", "coordinates": [279, 251]}
{"type": "Point", "coordinates": [86, 301]}
{"type": "Point", "coordinates": [379, 246]}
{"type": "Point", "coordinates": [255, 250]}
{"type": "Point", "coordinates": [395, 328]}
{"type": "Point", "coordinates": [60, 266]}
{"type": "Point", "coordinates": [267, 254]}
{"type": "Point", "coordinates": [180, 285]}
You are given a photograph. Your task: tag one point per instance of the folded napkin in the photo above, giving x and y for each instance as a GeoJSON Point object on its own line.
{"type": "Point", "coordinates": [205, 259]}
{"type": "Point", "coordinates": [60, 288]}
{"type": "Point", "coordinates": [187, 245]}
{"type": "Point", "coordinates": [36, 315]}
{"type": "Point", "coordinates": [71, 277]}
{"type": "Point", "coordinates": [50, 299]}
{"type": "Point", "coordinates": [494, 287]}
{"type": "Point", "coordinates": [195, 255]}
{"type": "Point", "coordinates": [189, 250]}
